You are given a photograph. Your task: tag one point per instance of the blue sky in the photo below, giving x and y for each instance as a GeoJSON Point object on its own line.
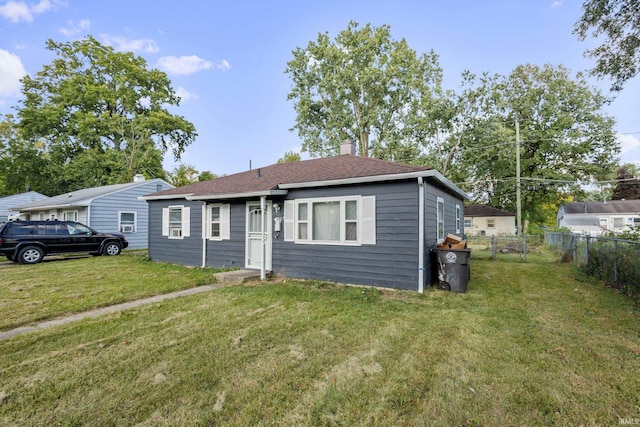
{"type": "Point", "coordinates": [227, 59]}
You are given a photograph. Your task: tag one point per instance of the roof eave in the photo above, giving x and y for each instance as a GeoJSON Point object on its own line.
{"type": "Point", "coordinates": [237, 195]}
{"type": "Point", "coordinates": [165, 197]}
{"type": "Point", "coordinates": [47, 207]}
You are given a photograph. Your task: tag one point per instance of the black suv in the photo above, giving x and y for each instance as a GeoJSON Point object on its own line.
{"type": "Point", "coordinates": [27, 242]}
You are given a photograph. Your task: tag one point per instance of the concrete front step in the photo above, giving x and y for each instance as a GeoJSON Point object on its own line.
{"type": "Point", "coordinates": [237, 276]}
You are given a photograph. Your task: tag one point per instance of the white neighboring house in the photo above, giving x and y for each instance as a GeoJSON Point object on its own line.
{"type": "Point", "coordinates": [8, 202]}
{"type": "Point", "coordinates": [481, 220]}
{"type": "Point", "coordinates": [111, 208]}
{"type": "Point", "coordinates": [596, 218]}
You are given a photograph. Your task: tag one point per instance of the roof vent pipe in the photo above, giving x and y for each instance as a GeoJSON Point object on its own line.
{"type": "Point", "coordinates": [348, 147]}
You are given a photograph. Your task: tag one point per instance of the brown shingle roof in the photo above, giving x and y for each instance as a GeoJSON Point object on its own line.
{"type": "Point", "coordinates": [482, 210]}
{"type": "Point", "coordinates": [270, 177]}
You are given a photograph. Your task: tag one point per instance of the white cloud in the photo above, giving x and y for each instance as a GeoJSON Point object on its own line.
{"type": "Point", "coordinates": [184, 65]}
{"type": "Point", "coordinates": [11, 71]}
{"type": "Point", "coordinates": [556, 4]}
{"type": "Point", "coordinates": [73, 29]}
{"type": "Point", "coordinates": [628, 143]}
{"type": "Point", "coordinates": [19, 11]}
{"type": "Point", "coordinates": [124, 44]}
{"type": "Point", "coordinates": [222, 65]}
{"type": "Point", "coordinates": [185, 95]}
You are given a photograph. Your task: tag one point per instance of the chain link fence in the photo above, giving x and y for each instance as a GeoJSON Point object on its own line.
{"type": "Point", "coordinates": [494, 247]}
{"type": "Point", "coordinates": [616, 262]}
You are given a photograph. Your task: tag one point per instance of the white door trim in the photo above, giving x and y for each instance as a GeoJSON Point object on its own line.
{"type": "Point", "coordinates": [255, 239]}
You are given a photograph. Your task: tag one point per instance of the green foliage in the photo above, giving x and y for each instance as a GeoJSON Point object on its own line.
{"type": "Point", "coordinates": [185, 174]}
{"type": "Point", "coordinates": [628, 185]}
{"type": "Point", "coordinates": [366, 87]}
{"type": "Point", "coordinates": [289, 157]}
{"type": "Point", "coordinates": [527, 345]}
{"type": "Point", "coordinates": [566, 137]}
{"type": "Point", "coordinates": [101, 116]}
{"type": "Point", "coordinates": [206, 176]}
{"type": "Point", "coordinates": [616, 263]}
{"type": "Point", "coordinates": [22, 165]}
{"type": "Point", "coordinates": [617, 24]}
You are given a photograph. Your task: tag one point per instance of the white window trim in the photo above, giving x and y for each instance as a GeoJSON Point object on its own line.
{"type": "Point", "coordinates": [619, 219]}
{"type": "Point", "coordinates": [366, 221]}
{"type": "Point", "coordinates": [134, 225]}
{"type": "Point", "coordinates": [458, 219]}
{"type": "Point", "coordinates": [185, 225]}
{"type": "Point", "coordinates": [470, 223]}
{"type": "Point", "coordinates": [225, 233]}
{"type": "Point", "coordinates": [439, 219]}
{"type": "Point", "coordinates": [70, 215]}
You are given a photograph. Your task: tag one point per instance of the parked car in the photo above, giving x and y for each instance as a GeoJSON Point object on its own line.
{"type": "Point", "coordinates": [27, 242]}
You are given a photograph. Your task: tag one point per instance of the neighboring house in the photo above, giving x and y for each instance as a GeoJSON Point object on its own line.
{"type": "Point", "coordinates": [488, 221]}
{"type": "Point", "coordinates": [8, 202]}
{"type": "Point", "coordinates": [596, 218]}
{"type": "Point", "coordinates": [112, 208]}
{"type": "Point", "coordinates": [348, 219]}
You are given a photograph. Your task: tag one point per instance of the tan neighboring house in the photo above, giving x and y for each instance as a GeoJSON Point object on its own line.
{"type": "Point", "coordinates": [481, 220]}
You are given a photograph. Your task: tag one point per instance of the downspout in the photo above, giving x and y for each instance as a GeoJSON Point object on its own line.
{"type": "Point", "coordinates": [263, 272]}
{"type": "Point", "coordinates": [204, 234]}
{"type": "Point", "coordinates": [420, 235]}
{"type": "Point", "coordinates": [88, 216]}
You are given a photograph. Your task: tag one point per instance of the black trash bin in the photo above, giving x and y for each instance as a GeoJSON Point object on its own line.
{"type": "Point", "coordinates": [453, 268]}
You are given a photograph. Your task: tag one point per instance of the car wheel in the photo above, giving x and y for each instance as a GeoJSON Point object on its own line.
{"type": "Point", "coordinates": [30, 255]}
{"type": "Point", "coordinates": [111, 248]}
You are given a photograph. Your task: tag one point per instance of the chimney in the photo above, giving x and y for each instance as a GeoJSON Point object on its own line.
{"type": "Point", "coordinates": [138, 178]}
{"type": "Point", "coordinates": [348, 147]}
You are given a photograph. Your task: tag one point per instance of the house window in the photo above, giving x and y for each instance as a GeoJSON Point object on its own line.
{"type": "Point", "coordinates": [491, 223]}
{"type": "Point", "coordinates": [338, 221]}
{"type": "Point", "coordinates": [636, 222]}
{"type": "Point", "coordinates": [440, 219]}
{"type": "Point", "coordinates": [618, 222]}
{"type": "Point", "coordinates": [41, 216]}
{"type": "Point", "coordinates": [458, 212]}
{"type": "Point", "coordinates": [127, 222]}
{"type": "Point", "coordinates": [218, 224]}
{"type": "Point", "coordinates": [176, 222]}
{"type": "Point", "coordinates": [70, 215]}
{"type": "Point", "coordinates": [467, 223]}
{"type": "Point", "coordinates": [303, 221]}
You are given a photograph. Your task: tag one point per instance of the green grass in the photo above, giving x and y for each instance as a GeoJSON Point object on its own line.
{"type": "Point", "coordinates": [30, 293]}
{"type": "Point", "coordinates": [527, 345]}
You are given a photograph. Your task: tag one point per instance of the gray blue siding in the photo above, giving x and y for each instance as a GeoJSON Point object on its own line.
{"type": "Point", "coordinates": [392, 262]}
{"type": "Point", "coordinates": [186, 251]}
{"type": "Point", "coordinates": [104, 211]}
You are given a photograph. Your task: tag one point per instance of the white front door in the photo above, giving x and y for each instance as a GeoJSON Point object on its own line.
{"type": "Point", "coordinates": [258, 235]}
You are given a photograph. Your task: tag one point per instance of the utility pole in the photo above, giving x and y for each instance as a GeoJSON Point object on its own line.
{"type": "Point", "coordinates": [518, 195]}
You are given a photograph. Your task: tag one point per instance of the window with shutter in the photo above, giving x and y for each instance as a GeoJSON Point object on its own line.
{"type": "Point", "coordinates": [349, 220]}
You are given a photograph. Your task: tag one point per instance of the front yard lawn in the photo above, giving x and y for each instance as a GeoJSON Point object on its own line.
{"type": "Point", "coordinates": [527, 345]}
{"type": "Point", "coordinates": [31, 293]}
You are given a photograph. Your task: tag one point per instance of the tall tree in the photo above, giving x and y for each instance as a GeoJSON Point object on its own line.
{"type": "Point", "coordinates": [22, 165]}
{"type": "Point", "coordinates": [185, 174]}
{"type": "Point", "coordinates": [289, 157]}
{"type": "Point", "coordinates": [101, 115]}
{"type": "Point", "coordinates": [628, 183]}
{"type": "Point", "coordinates": [566, 138]}
{"type": "Point", "coordinates": [363, 86]}
{"type": "Point", "coordinates": [617, 22]}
